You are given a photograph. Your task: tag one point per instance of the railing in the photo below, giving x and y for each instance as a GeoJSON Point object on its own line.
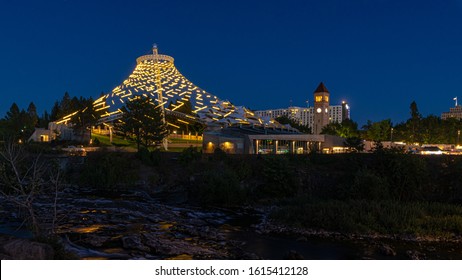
{"type": "Point", "coordinates": [154, 57]}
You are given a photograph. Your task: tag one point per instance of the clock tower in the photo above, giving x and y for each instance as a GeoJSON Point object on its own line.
{"type": "Point", "coordinates": [321, 108]}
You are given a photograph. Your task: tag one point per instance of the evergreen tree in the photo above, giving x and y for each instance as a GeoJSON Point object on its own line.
{"type": "Point", "coordinates": [44, 120]}
{"type": "Point", "coordinates": [55, 112]}
{"type": "Point", "coordinates": [13, 122]}
{"type": "Point", "coordinates": [414, 124]}
{"type": "Point", "coordinates": [65, 105]}
{"type": "Point", "coordinates": [143, 122]}
{"type": "Point", "coordinates": [17, 124]}
{"type": "Point", "coordinates": [32, 114]}
{"type": "Point", "coordinates": [13, 113]}
{"type": "Point", "coordinates": [86, 117]}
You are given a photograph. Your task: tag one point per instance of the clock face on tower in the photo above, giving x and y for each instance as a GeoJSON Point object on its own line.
{"type": "Point", "coordinates": [319, 110]}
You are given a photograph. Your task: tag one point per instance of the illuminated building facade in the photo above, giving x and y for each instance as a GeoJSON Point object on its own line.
{"type": "Point", "coordinates": [306, 115]}
{"type": "Point", "coordinates": [321, 109]}
{"type": "Point", "coordinates": [455, 112]}
{"type": "Point", "coordinates": [262, 140]}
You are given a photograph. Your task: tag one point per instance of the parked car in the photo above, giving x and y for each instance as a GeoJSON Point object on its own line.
{"type": "Point", "coordinates": [431, 150]}
{"type": "Point", "coordinates": [76, 150]}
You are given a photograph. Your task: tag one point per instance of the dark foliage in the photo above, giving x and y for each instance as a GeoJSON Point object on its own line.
{"type": "Point", "coordinates": [109, 171]}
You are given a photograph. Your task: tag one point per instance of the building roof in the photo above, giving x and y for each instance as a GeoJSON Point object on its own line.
{"type": "Point", "coordinates": [253, 130]}
{"type": "Point", "coordinates": [156, 76]}
{"type": "Point", "coordinates": [321, 88]}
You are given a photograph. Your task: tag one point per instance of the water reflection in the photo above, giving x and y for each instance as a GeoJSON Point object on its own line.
{"type": "Point", "coordinates": [89, 229]}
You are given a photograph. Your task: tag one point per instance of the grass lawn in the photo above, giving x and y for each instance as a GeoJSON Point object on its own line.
{"type": "Point", "coordinates": [179, 140]}
{"type": "Point", "coordinates": [120, 142]}
{"type": "Point", "coordinates": [116, 141]}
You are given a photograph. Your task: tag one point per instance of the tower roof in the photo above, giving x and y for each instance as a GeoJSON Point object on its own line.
{"type": "Point", "coordinates": [321, 88]}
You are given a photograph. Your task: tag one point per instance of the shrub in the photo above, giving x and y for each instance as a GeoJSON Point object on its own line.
{"type": "Point", "coordinates": [109, 171]}
{"type": "Point", "coordinates": [151, 158]}
{"type": "Point", "coordinates": [219, 154]}
{"type": "Point", "coordinates": [407, 176]}
{"type": "Point", "coordinates": [96, 142]}
{"type": "Point", "coordinates": [218, 185]}
{"type": "Point", "coordinates": [368, 185]}
{"type": "Point", "coordinates": [278, 175]}
{"type": "Point", "coordinates": [363, 216]}
{"type": "Point", "coordinates": [190, 154]}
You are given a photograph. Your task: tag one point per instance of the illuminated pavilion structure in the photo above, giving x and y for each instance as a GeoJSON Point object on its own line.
{"type": "Point", "coordinates": [157, 77]}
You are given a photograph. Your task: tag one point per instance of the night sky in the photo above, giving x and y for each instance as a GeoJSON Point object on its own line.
{"type": "Point", "coordinates": [379, 55]}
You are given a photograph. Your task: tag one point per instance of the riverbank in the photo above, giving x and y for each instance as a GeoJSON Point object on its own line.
{"type": "Point", "coordinates": [137, 225]}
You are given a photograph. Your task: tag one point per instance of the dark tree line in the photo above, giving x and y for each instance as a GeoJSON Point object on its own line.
{"type": "Point", "coordinates": [20, 123]}
{"type": "Point", "coordinates": [417, 129]}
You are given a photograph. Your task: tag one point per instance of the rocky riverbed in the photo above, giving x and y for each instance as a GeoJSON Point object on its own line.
{"type": "Point", "coordinates": [137, 225]}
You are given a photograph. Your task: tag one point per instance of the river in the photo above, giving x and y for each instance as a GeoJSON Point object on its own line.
{"type": "Point", "coordinates": [137, 226]}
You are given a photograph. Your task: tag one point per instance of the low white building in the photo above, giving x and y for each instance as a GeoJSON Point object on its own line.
{"type": "Point", "coordinates": [42, 135]}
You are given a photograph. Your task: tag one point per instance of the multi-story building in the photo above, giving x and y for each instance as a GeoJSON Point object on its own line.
{"type": "Point", "coordinates": [302, 115]}
{"type": "Point", "coordinates": [455, 112]}
{"type": "Point", "coordinates": [306, 115]}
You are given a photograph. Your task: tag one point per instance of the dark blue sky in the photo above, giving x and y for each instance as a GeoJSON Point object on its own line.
{"type": "Point", "coordinates": [379, 55]}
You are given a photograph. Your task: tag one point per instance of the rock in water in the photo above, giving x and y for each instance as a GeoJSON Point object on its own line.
{"type": "Point", "coordinates": [134, 242]}
{"type": "Point", "coordinates": [387, 250]}
{"type": "Point", "coordinates": [415, 255]}
{"type": "Point", "coordinates": [23, 249]}
{"type": "Point", "coordinates": [294, 255]}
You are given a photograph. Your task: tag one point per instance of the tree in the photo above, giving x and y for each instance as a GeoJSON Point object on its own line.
{"type": "Point", "coordinates": [44, 120]}
{"type": "Point", "coordinates": [65, 105]}
{"type": "Point", "coordinates": [32, 114]}
{"type": "Point", "coordinates": [354, 144]}
{"type": "Point", "coordinates": [20, 124]}
{"type": "Point", "coordinates": [55, 112]}
{"type": "Point", "coordinates": [143, 122]}
{"type": "Point", "coordinates": [300, 127]}
{"type": "Point", "coordinates": [431, 128]}
{"type": "Point", "coordinates": [331, 129]}
{"type": "Point", "coordinates": [14, 123]}
{"type": "Point", "coordinates": [13, 113]}
{"type": "Point", "coordinates": [84, 118]}
{"type": "Point", "coordinates": [414, 124]}
{"type": "Point", "coordinates": [23, 179]}
{"type": "Point", "coordinates": [345, 129]}
{"type": "Point", "coordinates": [30, 120]}
{"type": "Point", "coordinates": [378, 131]}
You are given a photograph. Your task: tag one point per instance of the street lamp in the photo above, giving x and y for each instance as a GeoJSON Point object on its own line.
{"type": "Point", "coordinates": [458, 137]}
{"type": "Point", "coordinates": [391, 135]}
